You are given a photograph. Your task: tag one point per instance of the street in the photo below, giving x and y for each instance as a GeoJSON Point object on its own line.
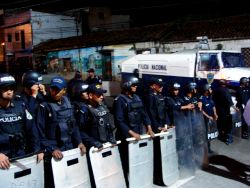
{"type": "Point", "coordinates": [227, 169]}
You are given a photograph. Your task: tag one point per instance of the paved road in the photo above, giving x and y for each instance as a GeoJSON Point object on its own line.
{"type": "Point", "coordinates": [227, 167]}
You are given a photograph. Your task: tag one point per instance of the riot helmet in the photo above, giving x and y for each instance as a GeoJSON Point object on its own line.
{"type": "Point", "coordinates": [6, 80]}
{"type": "Point", "coordinates": [190, 87]}
{"type": "Point", "coordinates": [31, 78]}
{"type": "Point", "coordinates": [175, 86]}
{"type": "Point", "coordinates": [77, 88]}
{"type": "Point", "coordinates": [244, 81]}
{"type": "Point", "coordinates": [223, 82]}
{"type": "Point", "coordinates": [205, 88]}
{"type": "Point", "coordinates": [128, 82]}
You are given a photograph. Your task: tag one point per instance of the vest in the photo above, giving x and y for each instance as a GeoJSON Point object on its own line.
{"type": "Point", "coordinates": [134, 110]}
{"type": "Point", "coordinates": [12, 130]}
{"type": "Point", "coordinates": [61, 122]}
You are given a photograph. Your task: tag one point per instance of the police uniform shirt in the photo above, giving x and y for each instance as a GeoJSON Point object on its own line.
{"type": "Point", "coordinates": [242, 96]}
{"type": "Point", "coordinates": [223, 100]}
{"type": "Point", "coordinates": [173, 103]}
{"type": "Point", "coordinates": [32, 103]}
{"type": "Point", "coordinates": [50, 132]}
{"type": "Point", "coordinates": [95, 80]}
{"type": "Point", "coordinates": [81, 114]}
{"type": "Point", "coordinates": [207, 105]}
{"type": "Point", "coordinates": [102, 126]}
{"type": "Point", "coordinates": [17, 130]}
{"type": "Point", "coordinates": [121, 116]}
{"type": "Point", "coordinates": [153, 111]}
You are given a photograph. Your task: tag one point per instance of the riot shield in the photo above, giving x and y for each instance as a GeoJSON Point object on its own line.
{"type": "Point", "coordinates": [184, 143]}
{"type": "Point", "coordinates": [106, 167]}
{"type": "Point", "coordinates": [140, 162]}
{"type": "Point", "coordinates": [169, 158]}
{"type": "Point", "coordinates": [71, 171]}
{"type": "Point", "coordinates": [199, 138]}
{"type": "Point", "coordinates": [24, 173]}
{"type": "Point", "coordinates": [237, 123]}
{"type": "Point", "coordinates": [212, 131]}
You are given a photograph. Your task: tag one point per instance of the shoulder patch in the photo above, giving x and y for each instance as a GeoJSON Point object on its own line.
{"type": "Point", "coordinates": [28, 115]}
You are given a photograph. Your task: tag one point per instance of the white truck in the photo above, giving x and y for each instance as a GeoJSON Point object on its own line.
{"type": "Point", "coordinates": [190, 65]}
{"type": "Point", "coordinates": [201, 66]}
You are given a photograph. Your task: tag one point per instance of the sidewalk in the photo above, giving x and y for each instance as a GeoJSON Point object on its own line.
{"type": "Point", "coordinates": [227, 169]}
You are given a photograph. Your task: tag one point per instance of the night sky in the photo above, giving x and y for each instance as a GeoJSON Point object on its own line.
{"type": "Point", "coordinates": [142, 12]}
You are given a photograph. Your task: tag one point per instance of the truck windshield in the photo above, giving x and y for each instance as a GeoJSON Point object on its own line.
{"type": "Point", "coordinates": [208, 62]}
{"type": "Point", "coordinates": [232, 60]}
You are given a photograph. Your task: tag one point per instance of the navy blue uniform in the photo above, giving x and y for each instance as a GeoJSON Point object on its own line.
{"type": "Point", "coordinates": [57, 126]}
{"type": "Point", "coordinates": [81, 116]}
{"type": "Point", "coordinates": [223, 101]}
{"type": "Point", "coordinates": [100, 126]}
{"type": "Point", "coordinates": [211, 126]}
{"type": "Point", "coordinates": [95, 124]}
{"type": "Point", "coordinates": [242, 96]}
{"type": "Point", "coordinates": [129, 114]}
{"type": "Point", "coordinates": [18, 133]}
{"type": "Point", "coordinates": [173, 104]}
{"type": "Point", "coordinates": [58, 131]}
{"type": "Point", "coordinates": [32, 103]}
{"type": "Point", "coordinates": [207, 105]}
{"type": "Point", "coordinates": [157, 112]}
{"type": "Point", "coordinates": [181, 119]}
{"type": "Point", "coordinates": [95, 80]}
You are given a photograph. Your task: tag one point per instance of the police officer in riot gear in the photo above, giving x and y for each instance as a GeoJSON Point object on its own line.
{"type": "Point", "coordinates": [156, 108]}
{"type": "Point", "coordinates": [130, 118]}
{"type": "Point", "coordinates": [34, 91]}
{"type": "Point", "coordinates": [197, 124]}
{"type": "Point", "coordinates": [209, 112]}
{"type": "Point", "coordinates": [18, 133]}
{"type": "Point", "coordinates": [242, 96]}
{"type": "Point", "coordinates": [79, 99]}
{"type": "Point", "coordinates": [223, 101]}
{"type": "Point", "coordinates": [57, 126]}
{"type": "Point", "coordinates": [100, 126]}
{"type": "Point", "coordinates": [179, 116]}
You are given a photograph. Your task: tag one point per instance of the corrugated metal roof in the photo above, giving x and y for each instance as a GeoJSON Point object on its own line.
{"type": "Point", "coordinates": [236, 27]}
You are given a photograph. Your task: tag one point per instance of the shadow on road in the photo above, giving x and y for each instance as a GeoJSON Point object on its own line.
{"type": "Point", "coordinates": [235, 170]}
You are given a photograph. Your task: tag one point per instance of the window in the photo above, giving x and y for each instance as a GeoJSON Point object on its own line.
{"type": "Point", "coordinates": [17, 36]}
{"type": "Point", "coordinates": [208, 62]}
{"type": "Point", "coordinates": [9, 37]}
{"type": "Point", "coordinates": [232, 60]}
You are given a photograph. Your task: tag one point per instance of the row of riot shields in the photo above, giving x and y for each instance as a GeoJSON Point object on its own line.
{"type": "Point", "coordinates": [72, 170]}
{"type": "Point", "coordinates": [182, 149]}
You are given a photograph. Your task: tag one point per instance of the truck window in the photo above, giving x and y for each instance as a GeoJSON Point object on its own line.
{"type": "Point", "coordinates": [232, 60]}
{"type": "Point", "coordinates": [208, 62]}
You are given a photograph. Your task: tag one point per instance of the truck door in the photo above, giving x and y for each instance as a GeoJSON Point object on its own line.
{"type": "Point", "coordinates": [207, 66]}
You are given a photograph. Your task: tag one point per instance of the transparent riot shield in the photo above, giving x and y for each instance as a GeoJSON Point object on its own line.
{"type": "Point", "coordinates": [199, 138]}
{"type": "Point", "coordinates": [169, 157]}
{"type": "Point", "coordinates": [24, 173]}
{"type": "Point", "coordinates": [71, 171]}
{"type": "Point", "coordinates": [107, 167]}
{"type": "Point", "coordinates": [184, 143]}
{"type": "Point", "coordinates": [140, 162]}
